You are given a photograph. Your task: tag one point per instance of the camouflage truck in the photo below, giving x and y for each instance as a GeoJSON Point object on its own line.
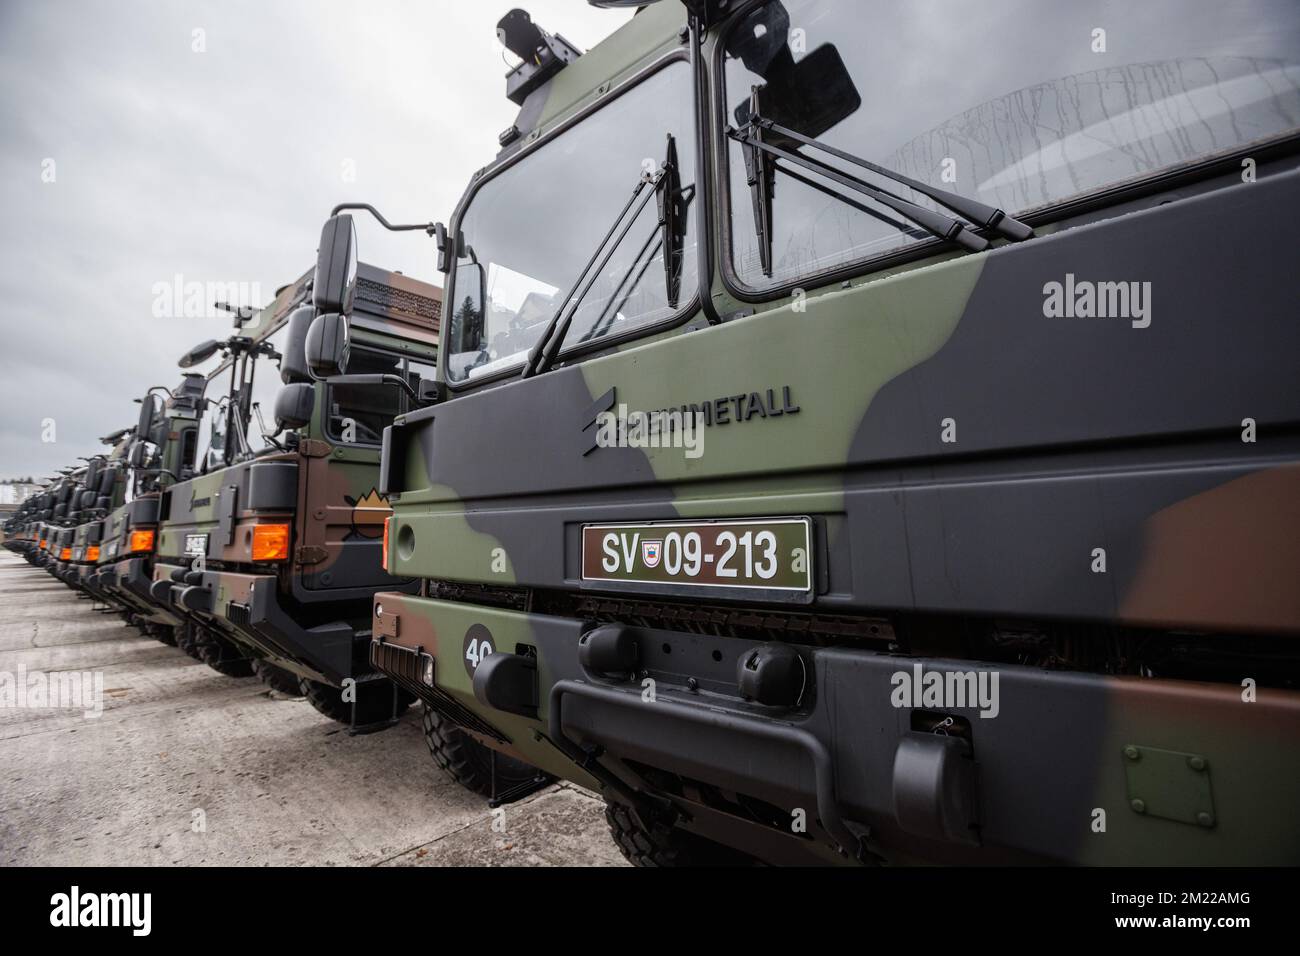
{"type": "Point", "coordinates": [272, 554]}
{"type": "Point", "coordinates": [851, 502]}
{"type": "Point", "coordinates": [103, 488]}
{"type": "Point", "coordinates": [20, 529]}
{"type": "Point", "coordinates": [162, 452]}
{"type": "Point", "coordinates": [58, 531]}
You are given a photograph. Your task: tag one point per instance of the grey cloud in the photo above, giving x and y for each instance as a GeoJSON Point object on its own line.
{"type": "Point", "coordinates": [219, 166]}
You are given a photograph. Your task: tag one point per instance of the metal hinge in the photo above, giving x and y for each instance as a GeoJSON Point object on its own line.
{"type": "Point", "coordinates": [310, 554]}
{"type": "Point", "coordinates": [388, 624]}
{"type": "Point", "coordinates": [313, 448]}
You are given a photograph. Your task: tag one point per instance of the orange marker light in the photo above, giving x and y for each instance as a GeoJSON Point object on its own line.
{"type": "Point", "coordinates": [270, 542]}
{"type": "Point", "coordinates": [65, 554]}
{"type": "Point", "coordinates": [383, 555]}
{"type": "Point", "coordinates": [42, 544]}
{"type": "Point", "coordinates": [142, 540]}
{"type": "Point", "coordinates": [92, 553]}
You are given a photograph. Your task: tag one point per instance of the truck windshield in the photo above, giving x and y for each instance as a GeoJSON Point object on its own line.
{"type": "Point", "coordinates": [1024, 106]}
{"type": "Point", "coordinates": [225, 436]}
{"type": "Point", "coordinates": [529, 231]}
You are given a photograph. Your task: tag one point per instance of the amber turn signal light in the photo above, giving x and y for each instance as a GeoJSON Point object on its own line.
{"type": "Point", "coordinates": [270, 542]}
{"type": "Point", "coordinates": [383, 555]}
{"type": "Point", "coordinates": [92, 553]}
{"type": "Point", "coordinates": [65, 554]}
{"type": "Point", "coordinates": [142, 540]}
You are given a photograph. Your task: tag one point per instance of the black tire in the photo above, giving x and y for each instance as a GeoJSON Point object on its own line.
{"type": "Point", "coordinates": [277, 678]}
{"type": "Point", "coordinates": [666, 847]}
{"type": "Point", "coordinates": [374, 701]}
{"type": "Point", "coordinates": [185, 640]}
{"type": "Point", "coordinates": [468, 762]}
{"type": "Point", "coordinates": [162, 632]}
{"type": "Point", "coordinates": [222, 654]}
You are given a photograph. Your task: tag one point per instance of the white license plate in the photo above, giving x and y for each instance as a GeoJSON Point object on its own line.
{"type": "Point", "coordinates": [196, 544]}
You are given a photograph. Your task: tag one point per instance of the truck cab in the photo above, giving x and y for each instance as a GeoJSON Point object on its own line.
{"type": "Point", "coordinates": [908, 472]}
{"type": "Point", "coordinates": [272, 552]}
{"type": "Point", "coordinates": [162, 452]}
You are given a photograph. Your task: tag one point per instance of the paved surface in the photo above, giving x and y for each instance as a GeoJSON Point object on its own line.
{"type": "Point", "coordinates": [188, 767]}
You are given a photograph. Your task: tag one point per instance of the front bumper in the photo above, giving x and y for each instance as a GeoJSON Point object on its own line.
{"type": "Point", "coordinates": [247, 607]}
{"type": "Point", "coordinates": [1050, 775]}
{"type": "Point", "coordinates": [127, 582]}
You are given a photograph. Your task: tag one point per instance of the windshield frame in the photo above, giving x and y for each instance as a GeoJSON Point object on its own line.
{"type": "Point", "coordinates": [923, 249]}
{"type": "Point", "coordinates": [688, 307]}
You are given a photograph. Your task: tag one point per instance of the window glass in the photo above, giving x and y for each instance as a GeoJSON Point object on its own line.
{"type": "Point", "coordinates": [1017, 103]}
{"type": "Point", "coordinates": [212, 437]}
{"type": "Point", "coordinates": [210, 454]}
{"type": "Point", "coordinates": [530, 230]}
{"type": "Point", "coordinates": [266, 385]}
{"type": "Point", "coordinates": [358, 414]}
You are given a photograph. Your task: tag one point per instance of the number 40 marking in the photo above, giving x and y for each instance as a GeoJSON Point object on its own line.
{"type": "Point", "coordinates": [476, 651]}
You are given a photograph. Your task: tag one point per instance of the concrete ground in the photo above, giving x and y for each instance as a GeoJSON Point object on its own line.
{"type": "Point", "coordinates": [187, 767]}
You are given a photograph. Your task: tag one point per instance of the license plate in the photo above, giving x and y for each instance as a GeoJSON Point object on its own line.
{"type": "Point", "coordinates": [196, 544]}
{"type": "Point", "coordinates": [771, 554]}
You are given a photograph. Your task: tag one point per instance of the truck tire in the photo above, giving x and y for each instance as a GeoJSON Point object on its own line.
{"type": "Point", "coordinates": [468, 762]}
{"type": "Point", "coordinates": [374, 701]}
{"type": "Point", "coordinates": [277, 678]}
{"type": "Point", "coordinates": [671, 847]}
{"type": "Point", "coordinates": [185, 640]}
{"type": "Point", "coordinates": [163, 632]}
{"type": "Point", "coordinates": [222, 654]}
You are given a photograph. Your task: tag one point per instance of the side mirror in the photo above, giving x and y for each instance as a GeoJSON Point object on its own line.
{"type": "Point", "coordinates": [148, 414]}
{"type": "Point", "coordinates": [200, 353]}
{"type": "Point", "coordinates": [88, 498]}
{"type": "Point", "coordinates": [440, 240]}
{"type": "Point", "coordinates": [293, 360]}
{"type": "Point", "coordinates": [137, 455]}
{"type": "Point", "coordinates": [107, 478]}
{"type": "Point", "coordinates": [327, 345]}
{"type": "Point", "coordinates": [335, 280]}
{"type": "Point", "coordinates": [294, 405]}
{"type": "Point", "coordinates": [93, 469]}
{"type": "Point", "coordinates": [102, 502]}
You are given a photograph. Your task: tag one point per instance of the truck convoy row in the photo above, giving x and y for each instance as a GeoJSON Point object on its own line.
{"type": "Point", "coordinates": [853, 438]}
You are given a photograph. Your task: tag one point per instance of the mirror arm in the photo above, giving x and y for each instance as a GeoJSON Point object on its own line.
{"type": "Point", "coordinates": [160, 471]}
{"type": "Point", "coordinates": [375, 378]}
{"type": "Point", "coordinates": [429, 228]}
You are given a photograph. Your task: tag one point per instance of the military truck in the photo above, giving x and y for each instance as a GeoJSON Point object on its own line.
{"type": "Point", "coordinates": [910, 472]}
{"type": "Point", "coordinates": [162, 452]}
{"type": "Point", "coordinates": [20, 528]}
{"type": "Point", "coordinates": [58, 532]}
{"type": "Point", "coordinates": [102, 488]}
{"type": "Point", "coordinates": [272, 553]}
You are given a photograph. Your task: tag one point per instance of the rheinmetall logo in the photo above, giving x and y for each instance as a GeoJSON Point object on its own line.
{"type": "Point", "coordinates": [612, 424]}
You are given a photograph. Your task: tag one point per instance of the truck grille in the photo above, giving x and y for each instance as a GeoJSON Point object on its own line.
{"type": "Point", "coordinates": [406, 667]}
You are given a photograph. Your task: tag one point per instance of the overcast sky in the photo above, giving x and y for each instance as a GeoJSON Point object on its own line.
{"type": "Point", "coordinates": [135, 150]}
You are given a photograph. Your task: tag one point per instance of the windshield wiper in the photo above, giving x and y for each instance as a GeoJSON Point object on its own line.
{"type": "Point", "coordinates": [664, 184]}
{"type": "Point", "coordinates": [760, 169]}
{"type": "Point", "coordinates": [631, 278]}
